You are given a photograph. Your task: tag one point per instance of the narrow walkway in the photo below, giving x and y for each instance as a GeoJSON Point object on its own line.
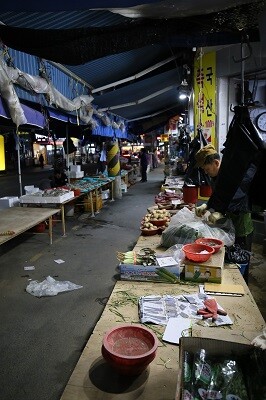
{"type": "Point", "coordinates": [42, 338]}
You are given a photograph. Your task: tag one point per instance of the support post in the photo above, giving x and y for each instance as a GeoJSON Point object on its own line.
{"type": "Point", "coordinates": [113, 163]}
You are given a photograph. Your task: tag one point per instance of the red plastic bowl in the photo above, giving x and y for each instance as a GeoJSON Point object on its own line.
{"type": "Point", "coordinates": [193, 252]}
{"type": "Point", "coordinates": [129, 348]}
{"type": "Point", "coordinates": [149, 232]}
{"type": "Point", "coordinates": [215, 243]}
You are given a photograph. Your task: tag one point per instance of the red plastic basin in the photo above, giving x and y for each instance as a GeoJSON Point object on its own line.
{"type": "Point", "coordinates": [197, 252]}
{"type": "Point", "coordinates": [215, 243]}
{"type": "Point", "coordinates": [129, 348]}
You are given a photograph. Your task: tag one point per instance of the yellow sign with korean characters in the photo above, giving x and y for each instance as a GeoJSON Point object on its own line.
{"type": "Point", "coordinates": [205, 95]}
{"type": "Point", "coordinates": [2, 153]}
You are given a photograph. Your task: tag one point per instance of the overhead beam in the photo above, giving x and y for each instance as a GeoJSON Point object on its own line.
{"type": "Point", "coordinates": [134, 103]}
{"type": "Point", "coordinates": [134, 77]}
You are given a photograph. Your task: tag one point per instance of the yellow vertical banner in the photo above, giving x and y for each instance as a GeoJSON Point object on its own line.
{"type": "Point", "coordinates": [205, 95]}
{"type": "Point", "coordinates": [2, 153]}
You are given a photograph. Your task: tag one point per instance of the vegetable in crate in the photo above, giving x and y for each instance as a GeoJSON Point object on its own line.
{"type": "Point", "coordinates": [201, 375]}
{"type": "Point", "coordinates": [227, 382]}
{"type": "Point", "coordinates": [166, 275]}
{"type": "Point", "coordinates": [187, 375]}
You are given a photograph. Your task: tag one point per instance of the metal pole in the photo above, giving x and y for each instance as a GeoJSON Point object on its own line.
{"type": "Point", "coordinates": [19, 166]}
{"type": "Point", "coordinates": [67, 149]}
{"type": "Point", "coordinates": [242, 74]}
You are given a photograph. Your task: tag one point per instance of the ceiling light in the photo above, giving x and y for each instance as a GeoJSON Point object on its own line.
{"type": "Point", "coordinates": [182, 96]}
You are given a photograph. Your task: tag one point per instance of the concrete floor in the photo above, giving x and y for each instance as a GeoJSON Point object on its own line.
{"type": "Point", "coordinates": [41, 339]}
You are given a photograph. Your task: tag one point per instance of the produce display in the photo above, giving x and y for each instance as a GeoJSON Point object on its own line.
{"type": "Point", "coordinates": [165, 200]}
{"type": "Point", "coordinates": [145, 257]}
{"type": "Point", "coordinates": [155, 219]}
{"type": "Point", "coordinates": [7, 233]}
{"type": "Point", "coordinates": [54, 192]}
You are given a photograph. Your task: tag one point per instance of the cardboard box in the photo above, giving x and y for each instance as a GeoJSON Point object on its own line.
{"type": "Point", "coordinates": [132, 272]}
{"type": "Point", "coordinates": [224, 349]}
{"type": "Point", "coordinates": [209, 271]}
{"type": "Point", "coordinates": [8, 201]}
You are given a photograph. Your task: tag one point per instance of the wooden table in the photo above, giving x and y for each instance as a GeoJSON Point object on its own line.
{"type": "Point", "coordinates": [21, 219]}
{"type": "Point", "coordinates": [93, 379]}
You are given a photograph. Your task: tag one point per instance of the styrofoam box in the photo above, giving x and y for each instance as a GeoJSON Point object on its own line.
{"type": "Point", "coordinates": [75, 168]}
{"type": "Point", "coordinates": [76, 174]}
{"type": "Point", "coordinates": [46, 199]}
{"type": "Point", "coordinates": [9, 201]}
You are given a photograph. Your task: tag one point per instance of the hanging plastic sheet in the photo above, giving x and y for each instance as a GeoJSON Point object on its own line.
{"type": "Point", "coordinates": [33, 117]}
{"type": "Point", "coordinates": [242, 148]}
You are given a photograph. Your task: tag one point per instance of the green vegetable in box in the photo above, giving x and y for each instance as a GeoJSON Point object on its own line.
{"type": "Point", "coordinates": [227, 382]}
{"type": "Point", "coordinates": [201, 375]}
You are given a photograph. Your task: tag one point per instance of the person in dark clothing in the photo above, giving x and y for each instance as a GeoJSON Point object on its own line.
{"type": "Point", "coordinates": [59, 178]}
{"type": "Point", "coordinates": [238, 210]}
{"type": "Point", "coordinates": [143, 164]}
{"type": "Point", "coordinates": [41, 160]}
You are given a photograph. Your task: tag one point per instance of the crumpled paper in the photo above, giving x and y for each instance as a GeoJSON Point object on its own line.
{"type": "Point", "coordinates": [50, 287]}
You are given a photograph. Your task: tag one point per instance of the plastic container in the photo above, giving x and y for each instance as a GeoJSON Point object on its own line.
{"type": "Point", "coordinates": [190, 194]}
{"type": "Point", "coordinates": [40, 228]}
{"type": "Point", "coordinates": [69, 210]}
{"type": "Point", "coordinates": [242, 268]}
{"type": "Point", "coordinates": [193, 252]}
{"type": "Point", "coordinates": [205, 191]}
{"type": "Point", "coordinates": [129, 349]}
{"type": "Point", "coordinates": [215, 243]}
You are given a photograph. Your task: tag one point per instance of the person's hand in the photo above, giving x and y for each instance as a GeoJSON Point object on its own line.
{"type": "Point", "coordinates": [214, 217]}
{"type": "Point", "coordinates": [201, 210]}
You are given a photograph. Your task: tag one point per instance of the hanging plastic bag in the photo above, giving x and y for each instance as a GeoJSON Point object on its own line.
{"type": "Point", "coordinates": [50, 287]}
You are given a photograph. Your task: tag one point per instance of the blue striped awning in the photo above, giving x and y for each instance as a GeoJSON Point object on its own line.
{"type": "Point", "coordinates": [34, 117]}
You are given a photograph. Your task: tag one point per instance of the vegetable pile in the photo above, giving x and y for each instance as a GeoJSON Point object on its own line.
{"type": "Point", "coordinates": [156, 218]}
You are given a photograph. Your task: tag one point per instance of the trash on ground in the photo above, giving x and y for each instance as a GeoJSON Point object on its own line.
{"type": "Point", "coordinates": [50, 287]}
{"type": "Point", "coordinates": [59, 261]}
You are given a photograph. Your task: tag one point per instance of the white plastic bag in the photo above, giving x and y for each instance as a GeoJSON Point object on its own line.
{"type": "Point", "coordinates": [50, 287]}
{"type": "Point", "coordinates": [186, 227]}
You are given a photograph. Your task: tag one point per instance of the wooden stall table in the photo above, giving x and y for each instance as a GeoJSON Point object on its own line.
{"type": "Point", "coordinates": [59, 206]}
{"type": "Point", "coordinates": [21, 219]}
{"type": "Point", "coordinates": [94, 379]}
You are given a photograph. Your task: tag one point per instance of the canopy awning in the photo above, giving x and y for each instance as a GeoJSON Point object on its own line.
{"type": "Point", "coordinates": [34, 117]}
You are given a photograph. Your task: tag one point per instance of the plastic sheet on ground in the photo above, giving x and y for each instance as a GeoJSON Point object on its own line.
{"type": "Point", "coordinates": [50, 287]}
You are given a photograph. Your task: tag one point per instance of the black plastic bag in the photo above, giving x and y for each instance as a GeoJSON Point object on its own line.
{"type": "Point", "coordinates": [236, 255]}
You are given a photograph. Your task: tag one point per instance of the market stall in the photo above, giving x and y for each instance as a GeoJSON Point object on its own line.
{"type": "Point", "coordinates": [94, 378]}
{"type": "Point", "coordinates": [85, 191]}
{"type": "Point", "coordinates": [17, 220]}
